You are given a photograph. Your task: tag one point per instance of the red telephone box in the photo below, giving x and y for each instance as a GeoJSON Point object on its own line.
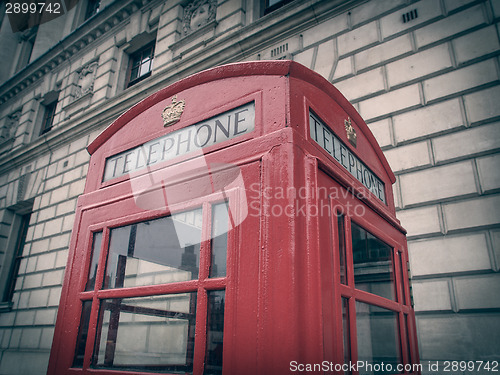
{"type": "Point", "coordinates": [239, 221]}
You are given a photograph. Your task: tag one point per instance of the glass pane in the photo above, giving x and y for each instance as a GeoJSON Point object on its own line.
{"type": "Point", "coordinates": [83, 331]}
{"type": "Point", "coordinates": [147, 54]}
{"type": "Point", "coordinates": [220, 221]}
{"type": "Point", "coordinates": [145, 67]}
{"type": "Point", "coordinates": [407, 328]}
{"type": "Point", "coordinates": [341, 234]}
{"type": "Point", "coordinates": [378, 339]}
{"type": "Point", "coordinates": [134, 73]}
{"type": "Point", "coordinates": [96, 251]}
{"type": "Point", "coordinates": [147, 333]}
{"type": "Point", "coordinates": [215, 332]}
{"type": "Point", "coordinates": [372, 258]}
{"type": "Point", "coordinates": [346, 331]}
{"type": "Point", "coordinates": [403, 281]}
{"type": "Point", "coordinates": [157, 251]}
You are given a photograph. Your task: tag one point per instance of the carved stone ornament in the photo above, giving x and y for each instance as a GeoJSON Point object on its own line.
{"type": "Point", "coordinates": [197, 14]}
{"type": "Point", "coordinates": [351, 132]}
{"type": "Point", "coordinates": [11, 123]}
{"type": "Point", "coordinates": [85, 80]}
{"type": "Point", "coordinates": [173, 112]}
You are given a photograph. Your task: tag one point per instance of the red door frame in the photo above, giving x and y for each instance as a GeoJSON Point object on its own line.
{"type": "Point", "coordinates": [112, 219]}
{"type": "Point", "coordinates": [390, 235]}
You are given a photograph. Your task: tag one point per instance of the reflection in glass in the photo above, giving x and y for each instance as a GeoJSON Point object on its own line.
{"type": "Point", "coordinates": [346, 331]}
{"type": "Point", "coordinates": [157, 251]}
{"type": "Point", "coordinates": [378, 339]}
{"type": "Point", "coordinates": [147, 333]}
{"type": "Point", "coordinates": [215, 332]}
{"type": "Point", "coordinates": [372, 258]}
{"type": "Point", "coordinates": [83, 331]}
{"type": "Point", "coordinates": [220, 221]}
{"type": "Point", "coordinates": [96, 251]}
{"type": "Point", "coordinates": [341, 234]}
{"type": "Point", "coordinates": [407, 328]}
{"type": "Point", "coordinates": [403, 286]}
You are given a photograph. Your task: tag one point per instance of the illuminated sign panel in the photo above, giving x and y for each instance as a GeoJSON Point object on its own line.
{"type": "Point", "coordinates": [343, 155]}
{"type": "Point", "coordinates": [228, 125]}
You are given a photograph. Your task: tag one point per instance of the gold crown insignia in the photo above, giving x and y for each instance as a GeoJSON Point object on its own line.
{"type": "Point", "coordinates": [173, 112]}
{"type": "Point", "coordinates": [351, 132]}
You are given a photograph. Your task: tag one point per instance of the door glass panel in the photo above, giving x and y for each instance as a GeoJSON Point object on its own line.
{"type": "Point", "coordinates": [346, 331]}
{"type": "Point", "coordinates": [342, 261]}
{"type": "Point", "coordinates": [215, 332]}
{"type": "Point", "coordinates": [372, 258]}
{"type": "Point", "coordinates": [378, 339]}
{"type": "Point", "coordinates": [407, 329]}
{"type": "Point", "coordinates": [96, 251]}
{"type": "Point", "coordinates": [403, 281]}
{"type": "Point", "coordinates": [156, 251]}
{"type": "Point", "coordinates": [220, 221]}
{"type": "Point", "coordinates": [83, 331]}
{"type": "Point", "coordinates": [147, 333]}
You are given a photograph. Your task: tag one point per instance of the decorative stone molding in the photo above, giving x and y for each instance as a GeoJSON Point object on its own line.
{"type": "Point", "coordinates": [27, 35]}
{"type": "Point", "coordinates": [99, 25]}
{"type": "Point", "coordinates": [22, 185]}
{"type": "Point", "coordinates": [10, 124]}
{"type": "Point", "coordinates": [85, 80]}
{"type": "Point", "coordinates": [197, 14]}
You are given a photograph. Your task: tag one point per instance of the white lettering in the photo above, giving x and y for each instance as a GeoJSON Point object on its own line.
{"type": "Point", "coordinates": [220, 128]}
{"type": "Point", "coordinates": [329, 142]}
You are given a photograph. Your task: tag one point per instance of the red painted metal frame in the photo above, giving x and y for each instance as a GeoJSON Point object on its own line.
{"type": "Point", "coordinates": [199, 286]}
{"type": "Point", "coordinates": [283, 291]}
{"type": "Point", "coordinates": [401, 305]}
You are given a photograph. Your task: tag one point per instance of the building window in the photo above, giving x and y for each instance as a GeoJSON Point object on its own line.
{"type": "Point", "coordinates": [27, 43]}
{"type": "Point", "coordinates": [140, 64]}
{"type": "Point", "coordinates": [48, 117]}
{"type": "Point", "coordinates": [92, 8]}
{"type": "Point", "coordinates": [157, 283]}
{"type": "Point", "coordinates": [16, 224]}
{"type": "Point", "coordinates": [272, 5]}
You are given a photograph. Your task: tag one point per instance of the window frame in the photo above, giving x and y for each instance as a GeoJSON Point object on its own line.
{"type": "Point", "coordinates": [13, 255]}
{"type": "Point", "coordinates": [201, 286]}
{"type": "Point", "coordinates": [25, 50]}
{"type": "Point", "coordinates": [271, 8]}
{"type": "Point", "coordinates": [132, 58]}
{"type": "Point", "coordinates": [92, 8]}
{"type": "Point", "coordinates": [48, 117]}
{"type": "Point", "coordinates": [401, 305]}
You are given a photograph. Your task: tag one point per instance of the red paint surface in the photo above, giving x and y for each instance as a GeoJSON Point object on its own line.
{"type": "Point", "coordinates": [281, 289]}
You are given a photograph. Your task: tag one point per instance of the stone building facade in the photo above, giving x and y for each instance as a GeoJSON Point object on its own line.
{"type": "Point", "coordinates": [423, 74]}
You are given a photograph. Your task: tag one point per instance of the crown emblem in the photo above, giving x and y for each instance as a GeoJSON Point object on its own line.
{"type": "Point", "coordinates": [173, 112]}
{"type": "Point", "coordinates": [351, 133]}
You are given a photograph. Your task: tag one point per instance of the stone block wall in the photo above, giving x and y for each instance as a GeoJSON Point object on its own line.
{"type": "Point", "coordinates": [428, 88]}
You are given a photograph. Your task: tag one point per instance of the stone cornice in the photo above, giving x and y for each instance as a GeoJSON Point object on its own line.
{"type": "Point", "coordinates": [251, 39]}
{"type": "Point", "coordinates": [84, 35]}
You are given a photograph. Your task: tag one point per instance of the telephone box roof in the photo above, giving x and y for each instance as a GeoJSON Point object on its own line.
{"type": "Point", "coordinates": [245, 69]}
